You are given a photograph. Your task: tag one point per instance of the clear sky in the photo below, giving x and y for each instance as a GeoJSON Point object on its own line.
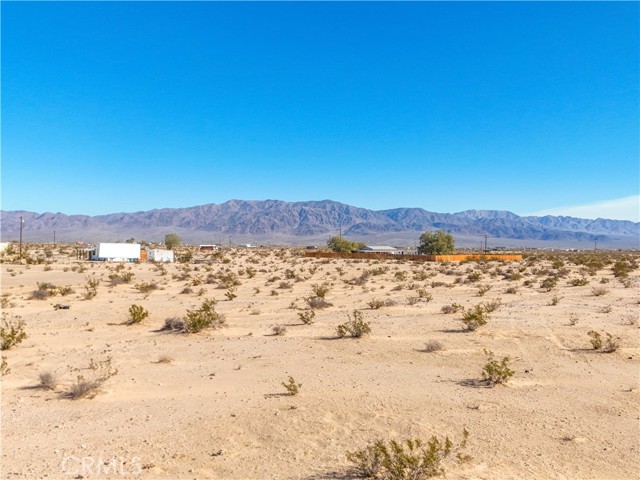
{"type": "Point", "coordinates": [125, 106]}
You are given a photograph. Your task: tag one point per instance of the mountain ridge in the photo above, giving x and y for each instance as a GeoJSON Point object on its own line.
{"type": "Point", "coordinates": [294, 222]}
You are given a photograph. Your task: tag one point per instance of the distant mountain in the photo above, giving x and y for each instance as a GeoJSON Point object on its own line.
{"type": "Point", "coordinates": [274, 221]}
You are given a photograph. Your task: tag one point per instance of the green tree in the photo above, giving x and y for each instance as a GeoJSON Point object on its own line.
{"type": "Point", "coordinates": [436, 243]}
{"type": "Point", "coordinates": [342, 245]}
{"type": "Point", "coordinates": [171, 240]}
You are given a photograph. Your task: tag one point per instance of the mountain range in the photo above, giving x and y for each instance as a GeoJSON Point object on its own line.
{"type": "Point", "coordinates": [279, 222]}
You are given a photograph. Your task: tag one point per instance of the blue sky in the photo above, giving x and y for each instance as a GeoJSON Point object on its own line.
{"type": "Point", "coordinates": [125, 106]}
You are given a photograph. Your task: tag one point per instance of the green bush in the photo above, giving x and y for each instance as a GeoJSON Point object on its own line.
{"type": "Point", "coordinates": [356, 326]}
{"type": "Point", "coordinates": [292, 387]}
{"type": "Point", "coordinates": [410, 459]}
{"type": "Point", "coordinates": [307, 317]}
{"type": "Point", "coordinates": [436, 243]}
{"type": "Point", "coordinates": [204, 317]}
{"type": "Point", "coordinates": [475, 317]}
{"type": "Point", "coordinates": [12, 333]}
{"type": "Point", "coordinates": [136, 314]}
{"type": "Point", "coordinates": [495, 372]}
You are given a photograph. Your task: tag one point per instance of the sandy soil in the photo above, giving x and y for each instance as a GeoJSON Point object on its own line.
{"type": "Point", "coordinates": [219, 409]}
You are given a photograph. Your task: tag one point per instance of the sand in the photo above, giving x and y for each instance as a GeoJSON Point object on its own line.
{"type": "Point", "coordinates": [219, 409]}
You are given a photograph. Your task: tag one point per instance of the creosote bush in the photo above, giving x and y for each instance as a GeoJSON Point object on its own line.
{"type": "Point", "coordinates": [475, 317]}
{"type": "Point", "coordinates": [609, 345]}
{"type": "Point", "coordinates": [292, 387]}
{"type": "Point", "coordinates": [307, 317]}
{"type": "Point", "coordinates": [410, 459]}
{"type": "Point", "coordinates": [204, 317]}
{"type": "Point", "coordinates": [375, 304]}
{"type": "Point", "coordinates": [495, 372]}
{"type": "Point", "coordinates": [12, 333]}
{"type": "Point", "coordinates": [89, 387]}
{"type": "Point", "coordinates": [356, 326]}
{"type": "Point", "coordinates": [136, 314]}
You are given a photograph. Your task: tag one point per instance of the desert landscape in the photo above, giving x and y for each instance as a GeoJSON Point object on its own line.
{"type": "Point", "coordinates": [263, 363]}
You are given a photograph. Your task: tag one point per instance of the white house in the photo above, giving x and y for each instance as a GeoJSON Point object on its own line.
{"type": "Point", "coordinates": [159, 255]}
{"type": "Point", "coordinates": [116, 252]}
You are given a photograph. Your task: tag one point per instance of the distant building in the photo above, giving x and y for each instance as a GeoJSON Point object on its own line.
{"type": "Point", "coordinates": [379, 249]}
{"type": "Point", "coordinates": [207, 248]}
{"type": "Point", "coordinates": [115, 252]}
{"type": "Point", "coordinates": [160, 255]}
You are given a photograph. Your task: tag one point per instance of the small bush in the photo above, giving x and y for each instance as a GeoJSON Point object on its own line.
{"type": "Point", "coordinates": [136, 314]}
{"type": "Point", "coordinates": [433, 346]}
{"type": "Point", "coordinates": [317, 302]}
{"type": "Point", "coordinates": [4, 366]}
{"type": "Point", "coordinates": [375, 304]}
{"type": "Point", "coordinates": [555, 300]}
{"type": "Point", "coordinates": [48, 381]}
{"type": "Point", "coordinates": [12, 333]}
{"type": "Point", "coordinates": [204, 317]}
{"type": "Point", "coordinates": [408, 460]}
{"type": "Point", "coordinates": [482, 289]}
{"type": "Point", "coordinates": [596, 339]}
{"type": "Point", "coordinates": [474, 318]}
{"type": "Point", "coordinates": [599, 291]}
{"type": "Point", "coordinates": [230, 294]}
{"type": "Point", "coordinates": [578, 282]}
{"type": "Point", "coordinates": [356, 326]}
{"type": "Point", "coordinates": [292, 387]}
{"type": "Point", "coordinates": [609, 345]}
{"type": "Point", "coordinates": [279, 330]}
{"type": "Point", "coordinates": [88, 388]}
{"type": "Point", "coordinates": [453, 308]}
{"type": "Point", "coordinates": [549, 283]}
{"type": "Point", "coordinates": [320, 291]}
{"type": "Point", "coordinates": [493, 305]}
{"type": "Point", "coordinates": [495, 372]}
{"type": "Point", "coordinates": [146, 287]}
{"type": "Point", "coordinates": [307, 317]}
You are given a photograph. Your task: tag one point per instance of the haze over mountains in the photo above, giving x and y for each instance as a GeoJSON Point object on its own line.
{"type": "Point", "coordinates": [279, 222]}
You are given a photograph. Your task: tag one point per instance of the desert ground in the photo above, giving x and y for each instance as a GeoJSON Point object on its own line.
{"type": "Point", "coordinates": [168, 404]}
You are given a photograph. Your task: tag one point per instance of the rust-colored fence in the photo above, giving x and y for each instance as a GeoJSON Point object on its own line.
{"type": "Point", "coordinates": [420, 258]}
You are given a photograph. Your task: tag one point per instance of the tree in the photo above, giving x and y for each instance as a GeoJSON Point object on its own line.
{"type": "Point", "coordinates": [342, 245]}
{"type": "Point", "coordinates": [171, 240]}
{"type": "Point", "coordinates": [436, 243]}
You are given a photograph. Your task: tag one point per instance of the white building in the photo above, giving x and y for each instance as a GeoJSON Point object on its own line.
{"type": "Point", "coordinates": [159, 255]}
{"type": "Point", "coordinates": [116, 252]}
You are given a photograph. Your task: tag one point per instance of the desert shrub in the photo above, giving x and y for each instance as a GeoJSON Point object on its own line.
{"type": "Point", "coordinates": [573, 319]}
{"type": "Point", "coordinates": [356, 326]}
{"type": "Point", "coordinates": [400, 276]}
{"type": "Point", "coordinates": [493, 305]}
{"type": "Point", "coordinates": [496, 372]}
{"type": "Point", "coordinates": [136, 314]}
{"type": "Point", "coordinates": [89, 387]}
{"type": "Point", "coordinates": [228, 280]}
{"type": "Point", "coordinates": [12, 333]}
{"type": "Point", "coordinates": [474, 277]}
{"type": "Point", "coordinates": [549, 283]}
{"type": "Point", "coordinates": [65, 290]}
{"type": "Point", "coordinates": [48, 380]}
{"type": "Point", "coordinates": [482, 289]}
{"type": "Point", "coordinates": [609, 345]}
{"type": "Point", "coordinates": [4, 366]}
{"type": "Point", "coordinates": [475, 317]}
{"type": "Point", "coordinates": [146, 287]}
{"type": "Point", "coordinates": [411, 459]}
{"type": "Point", "coordinates": [621, 269]}
{"type": "Point", "coordinates": [596, 339]}
{"type": "Point", "coordinates": [284, 286]}
{"type": "Point", "coordinates": [578, 282]}
{"type": "Point", "coordinates": [279, 330]}
{"type": "Point", "coordinates": [230, 294]}
{"type": "Point", "coordinates": [307, 317]}
{"type": "Point", "coordinates": [555, 300]}
{"type": "Point", "coordinates": [40, 294]}
{"type": "Point", "coordinates": [599, 291]}
{"type": "Point", "coordinates": [453, 308]}
{"type": "Point", "coordinates": [424, 295]}
{"type": "Point", "coordinates": [186, 290]}
{"type": "Point", "coordinates": [173, 324]}
{"type": "Point", "coordinates": [292, 387]}
{"type": "Point", "coordinates": [433, 346]}
{"type": "Point", "coordinates": [435, 284]}
{"type": "Point", "coordinates": [317, 302]}
{"type": "Point", "coordinates": [320, 291]}
{"type": "Point", "coordinates": [375, 304]}
{"type": "Point", "coordinates": [204, 317]}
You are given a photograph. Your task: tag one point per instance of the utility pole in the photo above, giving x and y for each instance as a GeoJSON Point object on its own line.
{"type": "Point", "coordinates": [21, 224]}
{"type": "Point", "coordinates": [485, 242]}
{"type": "Point", "coordinates": [595, 244]}
{"type": "Point", "coordinates": [54, 238]}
